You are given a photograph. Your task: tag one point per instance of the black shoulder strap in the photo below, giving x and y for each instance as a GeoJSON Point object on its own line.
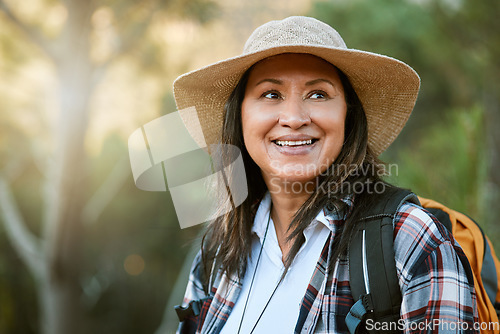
{"type": "Point", "coordinates": [372, 269]}
{"type": "Point", "coordinates": [194, 308]}
{"type": "Point", "coordinates": [443, 217]}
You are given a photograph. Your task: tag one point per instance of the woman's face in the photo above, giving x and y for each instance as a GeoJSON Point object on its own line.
{"type": "Point", "coordinates": [293, 116]}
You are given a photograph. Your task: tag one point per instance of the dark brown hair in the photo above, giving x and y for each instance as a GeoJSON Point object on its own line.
{"type": "Point", "coordinates": [228, 238]}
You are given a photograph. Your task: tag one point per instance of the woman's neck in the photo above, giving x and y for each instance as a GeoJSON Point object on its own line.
{"type": "Point", "coordinates": [285, 206]}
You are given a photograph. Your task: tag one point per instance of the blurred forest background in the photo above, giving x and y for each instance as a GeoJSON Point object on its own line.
{"type": "Point", "coordinates": [82, 250]}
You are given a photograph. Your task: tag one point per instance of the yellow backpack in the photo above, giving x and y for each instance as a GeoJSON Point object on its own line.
{"type": "Point", "coordinates": [481, 255]}
{"type": "Point", "coordinates": [381, 269]}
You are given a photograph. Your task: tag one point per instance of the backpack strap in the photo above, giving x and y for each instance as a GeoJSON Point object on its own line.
{"type": "Point", "coordinates": [444, 218]}
{"type": "Point", "coordinates": [194, 308]}
{"type": "Point", "coordinates": [372, 268]}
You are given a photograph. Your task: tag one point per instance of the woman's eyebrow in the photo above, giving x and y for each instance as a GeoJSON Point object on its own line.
{"type": "Point", "coordinates": [315, 81]}
{"type": "Point", "coordinates": [309, 83]}
{"type": "Point", "coordinates": [274, 81]}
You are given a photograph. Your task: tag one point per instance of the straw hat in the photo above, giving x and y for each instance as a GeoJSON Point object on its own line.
{"type": "Point", "coordinates": [387, 87]}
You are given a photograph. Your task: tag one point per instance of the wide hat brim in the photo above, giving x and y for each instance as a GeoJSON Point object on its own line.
{"type": "Point", "coordinates": [386, 87]}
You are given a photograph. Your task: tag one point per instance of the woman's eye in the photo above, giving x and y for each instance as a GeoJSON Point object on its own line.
{"type": "Point", "coordinates": [271, 95]}
{"type": "Point", "coordinates": [318, 95]}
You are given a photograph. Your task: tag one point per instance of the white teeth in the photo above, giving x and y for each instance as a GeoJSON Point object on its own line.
{"type": "Point", "coordinates": [293, 143]}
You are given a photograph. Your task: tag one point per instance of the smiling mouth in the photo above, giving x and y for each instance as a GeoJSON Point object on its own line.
{"type": "Point", "coordinates": [294, 142]}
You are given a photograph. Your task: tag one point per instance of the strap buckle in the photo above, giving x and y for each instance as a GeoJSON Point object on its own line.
{"type": "Point", "coordinates": [193, 309]}
{"type": "Point", "coordinates": [358, 312]}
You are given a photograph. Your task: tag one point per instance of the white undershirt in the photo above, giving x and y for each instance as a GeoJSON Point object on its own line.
{"type": "Point", "coordinates": [282, 312]}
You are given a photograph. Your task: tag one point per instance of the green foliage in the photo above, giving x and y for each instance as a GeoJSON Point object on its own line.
{"type": "Point", "coordinates": [135, 222]}
{"type": "Point", "coordinates": [447, 162]}
{"type": "Point", "coordinates": [443, 152]}
{"type": "Point", "coordinates": [203, 11]}
{"type": "Point", "coordinates": [18, 303]}
{"type": "Point", "coordinates": [410, 32]}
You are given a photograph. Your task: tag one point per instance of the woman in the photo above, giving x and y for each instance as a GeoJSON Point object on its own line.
{"type": "Point", "coordinates": [310, 117]}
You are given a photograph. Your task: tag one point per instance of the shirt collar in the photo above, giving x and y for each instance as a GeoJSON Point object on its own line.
{"type": "Point", "coordinates": [336, 213]}
{"type": "Point", "coordinates": [332, 215]}
{"type": "Point", "coordinates": [321, 218]}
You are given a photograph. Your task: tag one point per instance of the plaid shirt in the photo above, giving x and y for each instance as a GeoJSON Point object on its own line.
{"type": "Point", "coordinates": [433, 283]}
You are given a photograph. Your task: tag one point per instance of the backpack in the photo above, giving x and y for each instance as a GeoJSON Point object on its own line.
{"type": "Point", "coordinates": [375, 271]}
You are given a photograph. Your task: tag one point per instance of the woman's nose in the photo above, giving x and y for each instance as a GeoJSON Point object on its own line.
{"type": "Point", "coordinates": [294, 114]}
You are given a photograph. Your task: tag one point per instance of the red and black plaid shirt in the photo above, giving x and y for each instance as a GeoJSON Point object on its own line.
{"type": "Point", "coordinates": [433, 284]}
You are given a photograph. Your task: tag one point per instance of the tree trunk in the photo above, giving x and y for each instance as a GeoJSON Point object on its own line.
{"type": "Point", "coordinates": [59, 307]}
{"type": "Point", "coordinates": [60, 291]}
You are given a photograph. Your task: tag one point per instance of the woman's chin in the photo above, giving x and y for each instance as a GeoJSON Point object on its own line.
{"type": "Point", "coordinates": [291, 183]}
